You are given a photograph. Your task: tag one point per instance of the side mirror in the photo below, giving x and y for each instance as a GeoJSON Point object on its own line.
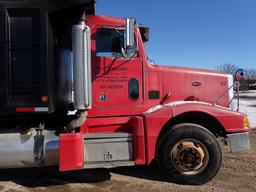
{"type": "Point", "coordinates": [239, 75]}
{"type": "Point", "coordinates": [129, 36]}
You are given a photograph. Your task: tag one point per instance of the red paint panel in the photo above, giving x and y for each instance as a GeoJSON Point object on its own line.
{"type": "Point", "coordinates": [188, 84]}
{"type": "Point", "coordinates": [232, 121]}
{"type": "Point", "coordinates": [71, 151]}
{"type": "Point", "coordinates": [138, 140]}
{"type": "Point", "coordinates": [110, 80]}
{"type": "Point", "coordinates": [154, 122]}
{"type": "Point", "coordinates": [107, 125]}
{"type": "Point", "coordinates": [25, 109]}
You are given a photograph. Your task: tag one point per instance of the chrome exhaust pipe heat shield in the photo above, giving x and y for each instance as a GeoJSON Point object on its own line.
{"type": "Point", "coordinates": [81, 45]}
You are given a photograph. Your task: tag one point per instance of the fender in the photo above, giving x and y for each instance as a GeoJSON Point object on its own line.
{"type": "Point", "coordinates": [157, 117]}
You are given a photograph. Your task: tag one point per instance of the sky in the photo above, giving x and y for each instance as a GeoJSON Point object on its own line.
{"type": "Point", "coordinates": [194, 33]}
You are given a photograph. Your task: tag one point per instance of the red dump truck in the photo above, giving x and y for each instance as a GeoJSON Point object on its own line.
{"type": "Point", "coordinates": [78, 90]}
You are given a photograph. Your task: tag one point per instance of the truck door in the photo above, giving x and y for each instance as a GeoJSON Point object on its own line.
{"type": "Point", "coordinates": [117, 81]}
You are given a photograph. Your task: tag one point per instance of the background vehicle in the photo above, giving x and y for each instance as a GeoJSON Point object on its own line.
{"type": "Point", "coordinates": [78, 90]}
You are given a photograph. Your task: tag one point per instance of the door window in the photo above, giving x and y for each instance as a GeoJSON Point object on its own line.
{"type": "Point", "coordinates": [134, 89]}
{"type": "Point", "coordinates": [109, 42]}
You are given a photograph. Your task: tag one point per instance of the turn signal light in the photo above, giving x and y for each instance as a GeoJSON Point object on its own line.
{"type": "Point", "coordinates": [246, 122]}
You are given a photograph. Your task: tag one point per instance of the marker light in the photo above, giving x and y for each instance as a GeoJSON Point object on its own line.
{"type": "Point", "coordinates": [246, 122]}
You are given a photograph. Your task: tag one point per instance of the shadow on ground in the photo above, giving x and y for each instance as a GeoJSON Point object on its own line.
{"type": "Point", "coordinates": [143, 172]}
{"type": "Point", "coordinates": [50, 176]}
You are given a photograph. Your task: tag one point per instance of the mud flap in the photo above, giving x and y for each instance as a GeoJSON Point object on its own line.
{"type": "Point", "coordinates": [71, 151]}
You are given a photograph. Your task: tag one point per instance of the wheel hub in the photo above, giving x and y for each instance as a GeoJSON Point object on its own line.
{"type": "Point", "coordinates": [189, 156]}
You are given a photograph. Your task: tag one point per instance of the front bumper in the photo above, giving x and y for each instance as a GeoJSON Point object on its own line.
{"type": "Point", "coordinates": [239, 141]}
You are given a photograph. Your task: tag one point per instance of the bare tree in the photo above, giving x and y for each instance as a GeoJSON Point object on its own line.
{"type": "Point", "coordinates": [250, 74]}
{"type": "Point", "coordinates": [227, 68]}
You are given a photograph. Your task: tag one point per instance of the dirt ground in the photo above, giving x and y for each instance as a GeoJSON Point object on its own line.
{"type": "Point", "coordinates": [238, 173]}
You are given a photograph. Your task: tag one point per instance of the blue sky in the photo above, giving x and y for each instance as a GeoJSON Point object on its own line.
{"type": "Point", "coordinates": [195, 33]}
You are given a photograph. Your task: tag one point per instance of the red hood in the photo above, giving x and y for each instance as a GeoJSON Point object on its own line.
{"type": "Point", "coordinates": [195, 84]}
{"type": "Point", "coordinates": [191, 70]}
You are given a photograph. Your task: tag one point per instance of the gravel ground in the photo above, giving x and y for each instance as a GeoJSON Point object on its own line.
{"type": "Point", "coordinates": [238, 173]}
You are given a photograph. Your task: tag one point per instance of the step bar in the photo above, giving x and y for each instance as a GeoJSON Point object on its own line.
{"type": "Point", "coordinates": [108, 150]}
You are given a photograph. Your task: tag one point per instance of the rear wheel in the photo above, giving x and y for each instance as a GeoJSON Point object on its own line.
{"type": "Point", "coordinates": [189, 154]}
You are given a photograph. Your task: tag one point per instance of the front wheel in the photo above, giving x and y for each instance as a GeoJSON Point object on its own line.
{"type": "Point", "coordinates": [189, 154]}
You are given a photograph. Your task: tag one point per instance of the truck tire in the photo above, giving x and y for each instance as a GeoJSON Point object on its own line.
{"type": "Point", "coordinates": [189, 154]}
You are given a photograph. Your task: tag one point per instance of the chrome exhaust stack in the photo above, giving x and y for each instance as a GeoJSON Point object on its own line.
{"type": "Point", "coordinates": [81, 45]}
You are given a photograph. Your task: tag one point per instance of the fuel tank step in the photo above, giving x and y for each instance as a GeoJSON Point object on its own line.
{"type": "Point", "coordinates": [108, 150]}
{"type": "Point", "coordinates": [110, 164]}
